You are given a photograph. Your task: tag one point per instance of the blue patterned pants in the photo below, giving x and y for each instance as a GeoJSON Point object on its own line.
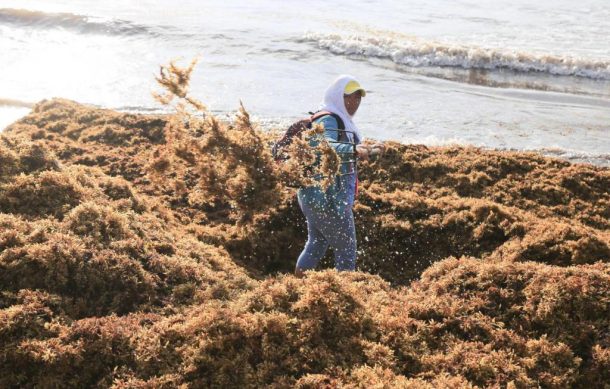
{"type": "Point", "coordinates": [328, 228]}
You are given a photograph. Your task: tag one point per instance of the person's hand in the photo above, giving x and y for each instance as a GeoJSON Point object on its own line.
{"type": "Point", "coordinates": [367, 151]}
{"type": "Point", "coordinates": [363, 152]}
{"type": "Point", "coordinates": [377, 149]}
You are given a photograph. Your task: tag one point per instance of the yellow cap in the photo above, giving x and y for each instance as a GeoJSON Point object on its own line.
{"type": "Point", "coordinates": [352, 87]}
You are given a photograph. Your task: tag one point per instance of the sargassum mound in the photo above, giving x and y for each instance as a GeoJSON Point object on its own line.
{"type": "Point", "coordinates": [141, 251]}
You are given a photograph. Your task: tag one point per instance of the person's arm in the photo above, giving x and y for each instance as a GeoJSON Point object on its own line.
{"type": "Point", "coordinates": [331, 133]}
{"type": "Point", "coordinates": [363, 151]}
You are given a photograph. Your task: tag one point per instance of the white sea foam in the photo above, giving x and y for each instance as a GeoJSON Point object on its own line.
{"type": "Point", "coordinates": [415, 52]}
{"type": "Point", "coordinates": [600, 159]}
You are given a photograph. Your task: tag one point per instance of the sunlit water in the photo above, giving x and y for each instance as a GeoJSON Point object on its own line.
{"type": "Point", "coordinates": [501, 74]}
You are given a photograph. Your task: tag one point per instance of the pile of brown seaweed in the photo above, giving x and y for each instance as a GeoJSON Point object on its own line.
{"type": "Point", "coordinates": [151, 251]}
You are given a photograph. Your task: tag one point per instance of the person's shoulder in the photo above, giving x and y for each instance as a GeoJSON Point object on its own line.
{"type": "Point", "coordinates": [329, 122]}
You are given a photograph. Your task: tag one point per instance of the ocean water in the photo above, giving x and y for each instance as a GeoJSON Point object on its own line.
{"type": "Point", "coordinates": [499, 74]}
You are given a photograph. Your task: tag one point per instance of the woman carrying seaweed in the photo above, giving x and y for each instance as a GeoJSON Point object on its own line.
{"type": "Point", "coordinates": [330, 220]}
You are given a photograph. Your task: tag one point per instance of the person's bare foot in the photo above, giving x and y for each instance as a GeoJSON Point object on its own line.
{"type": "Point", "coordinates": [299, 273]}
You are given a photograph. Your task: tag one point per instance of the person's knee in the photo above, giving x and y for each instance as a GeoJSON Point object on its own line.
{"type": "Point", "coordinates": [316, 244]}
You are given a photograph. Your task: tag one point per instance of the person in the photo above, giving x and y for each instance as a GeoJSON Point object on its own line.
{"type": "Point", "coordinates": [329, 215]}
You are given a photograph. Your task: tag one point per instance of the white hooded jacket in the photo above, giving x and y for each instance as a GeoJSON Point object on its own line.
{"type": "Point", "coordinates": [333, 102]}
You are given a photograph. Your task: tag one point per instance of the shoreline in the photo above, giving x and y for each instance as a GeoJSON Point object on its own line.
{"type": "Point", "coordinates": [21, 109]}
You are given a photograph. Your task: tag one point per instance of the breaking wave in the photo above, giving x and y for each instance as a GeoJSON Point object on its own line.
{"type": "Point", "coordinates": [79, 23]}
{"type": "Point", "coordinates": [420, 53]}
{"type": "Point", "coordinates": [575, 156]}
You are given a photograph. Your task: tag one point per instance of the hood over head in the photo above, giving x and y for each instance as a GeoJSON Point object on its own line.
{"type": "Point", "coordinates": [333, 102]}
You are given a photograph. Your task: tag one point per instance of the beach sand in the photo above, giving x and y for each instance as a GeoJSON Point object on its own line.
{"type": "Point", "coordinates": [136, 251]}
